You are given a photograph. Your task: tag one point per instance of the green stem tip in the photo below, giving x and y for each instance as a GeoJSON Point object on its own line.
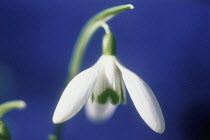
{"type": "Point", "coordinates": [11, 105]}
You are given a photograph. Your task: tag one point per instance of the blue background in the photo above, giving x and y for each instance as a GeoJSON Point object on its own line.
{"type": "Point", "coordinates": [166, 43]}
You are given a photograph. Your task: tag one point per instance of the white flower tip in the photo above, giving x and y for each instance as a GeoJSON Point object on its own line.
{"type": "Point", "coordinates": [96, 117]}
{"type": "Point", "coordinates": [156, 121]}
{"type": "Point", "coordinates": [161, 129]}
{"type": "Point", "coordinates": [60, 116]}
{"type": "Point", "coordinates": [158, 126]}
{"type": "Point", "coordinates": [97, 113]}
{"type": "Point", "coordinates": [55, 120]}
{"type": "Point", "coordinates": [58, 119]}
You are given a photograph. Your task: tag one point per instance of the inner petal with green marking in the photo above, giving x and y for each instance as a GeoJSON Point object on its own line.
{"type": "Point", "coordinates": [111, 95]}
{"type": "Point", "coordinates": [109, 85]}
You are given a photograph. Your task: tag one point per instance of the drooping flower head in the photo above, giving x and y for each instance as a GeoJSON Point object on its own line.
{"type": "Point", "coordinates": [102, 87]}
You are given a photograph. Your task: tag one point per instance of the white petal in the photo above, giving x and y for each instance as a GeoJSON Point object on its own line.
{"type": "Point", "coordinates": [144, 100]}
{"type": "Point", "coordinates": [75, 95]}
{"type": "Point", "coordinates": [99, 113]}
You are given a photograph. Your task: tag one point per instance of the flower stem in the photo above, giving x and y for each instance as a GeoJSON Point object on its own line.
{"type": "Point", "coordinates": [86, 34]}
{"type": "Point", "coordinates": [106, 28]}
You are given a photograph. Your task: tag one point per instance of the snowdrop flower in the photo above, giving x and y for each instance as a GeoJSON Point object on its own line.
{"type": "Point", "coordinates": [101, 88]}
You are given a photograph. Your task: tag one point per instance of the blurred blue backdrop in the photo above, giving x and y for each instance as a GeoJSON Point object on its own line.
{"type": "Point", "coordinates": [166, 43]}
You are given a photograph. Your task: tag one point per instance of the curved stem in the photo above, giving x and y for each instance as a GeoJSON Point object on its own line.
{"type": "Point", "coordinates": [106, 28]}
{"type": "Point", "coordinates": [8, 106]}
{"type": "Point", "coordinates": [88, 31]}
